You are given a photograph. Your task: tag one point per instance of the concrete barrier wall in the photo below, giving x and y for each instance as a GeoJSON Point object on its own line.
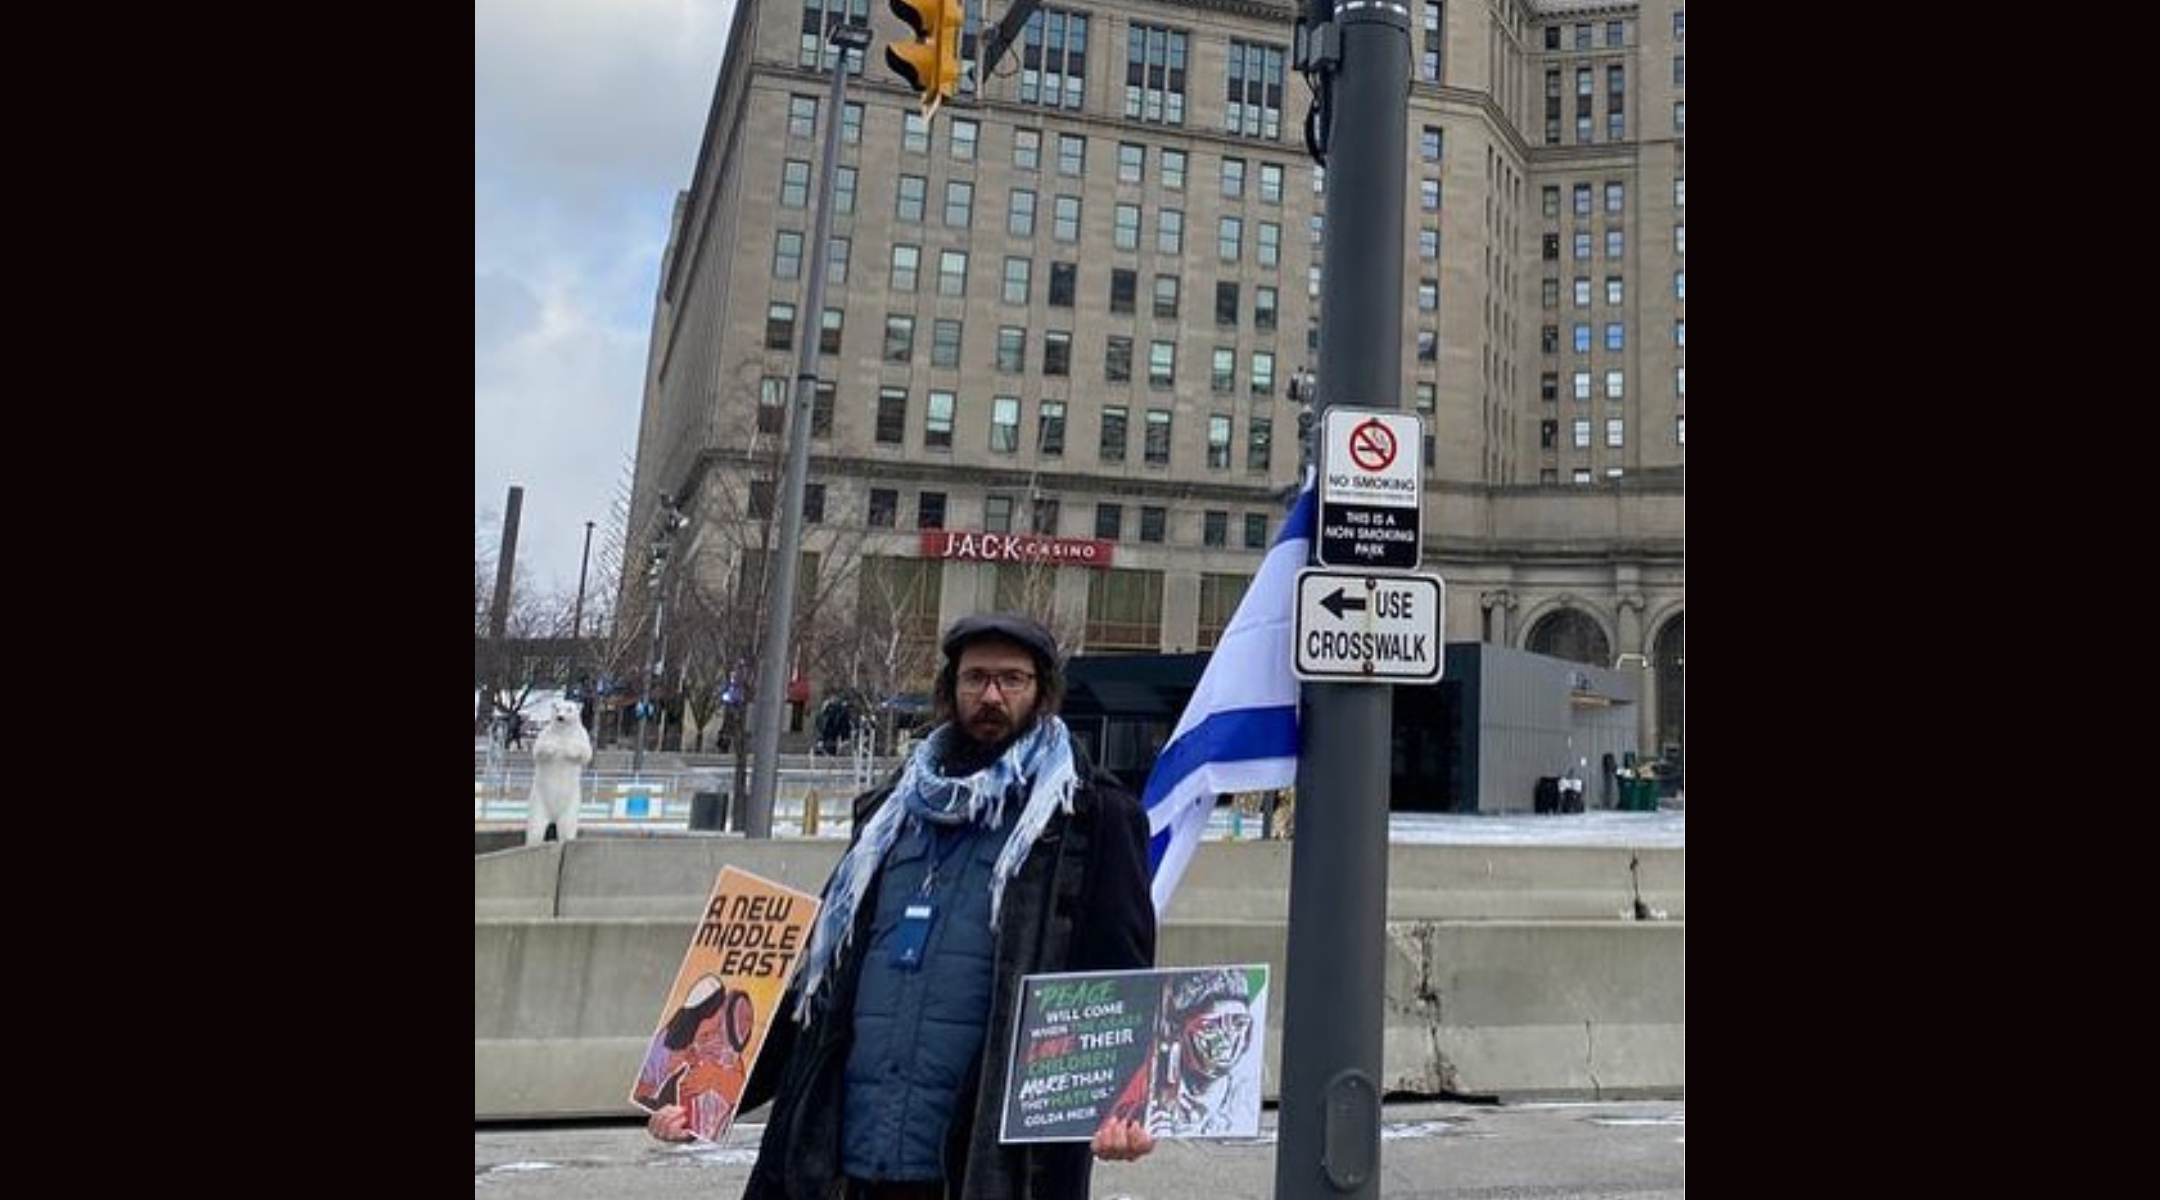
{"type": "Point", "coordinates": [563, 1007]}
{"type": "Point", "coordinates": [634, 875]}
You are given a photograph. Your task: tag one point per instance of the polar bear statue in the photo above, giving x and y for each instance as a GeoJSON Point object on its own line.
{"type": "Point", "coordinates": [559, 757]}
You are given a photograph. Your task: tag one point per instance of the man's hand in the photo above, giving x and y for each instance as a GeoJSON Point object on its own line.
{"type": "Point", "coordinates": [1123, 1141]}
{"type": "Point", "coordinates": [670, 1124]}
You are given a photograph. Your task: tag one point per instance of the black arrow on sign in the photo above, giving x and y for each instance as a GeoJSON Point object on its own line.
{"type": "Point", "coordinates": [1337, 602]}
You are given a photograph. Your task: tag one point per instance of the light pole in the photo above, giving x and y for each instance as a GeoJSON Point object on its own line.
{"type": "Point", "coordinates": [781, 563]}
{"type": "Point", "coordinates": [671, 520]}
{"type": "Point", "coordinates": [577, 610]}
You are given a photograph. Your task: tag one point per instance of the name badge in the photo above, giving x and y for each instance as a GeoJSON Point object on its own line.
{"type": "Point", "coordinates": [912, 937]}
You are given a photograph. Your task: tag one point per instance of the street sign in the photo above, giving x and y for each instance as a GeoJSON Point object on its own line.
{"type": "Point", "coordinates": [1368, 627]}
{"type": "Point", "coordinates": [1369, 485]}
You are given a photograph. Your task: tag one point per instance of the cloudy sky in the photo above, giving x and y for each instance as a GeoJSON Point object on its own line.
{"type": "Point", "coordinates": [586, 120]}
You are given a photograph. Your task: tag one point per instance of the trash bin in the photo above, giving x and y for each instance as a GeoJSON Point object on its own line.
{"type": "Point", "coordinates": [1638, 795]}
{"type": "Point", "coordinates": [708, 810]}
{"type": "Point", "coordinates": [1546, 797]}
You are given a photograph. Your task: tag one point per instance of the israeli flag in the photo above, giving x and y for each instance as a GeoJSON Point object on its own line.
{"type": "Point", "coordinates": [1240, 729]}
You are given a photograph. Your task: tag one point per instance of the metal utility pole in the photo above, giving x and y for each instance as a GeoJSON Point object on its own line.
{"type": "Point", "coordinates": [577, 611]}
{"type": "Point", "coordinates": [671, 521]}
{"type": "Point", "coordinates": [781, 563]}
{"type": "Point", "coordinates": [1329, 1140]}
{"type": "Point", "coordinates": [505, 565]}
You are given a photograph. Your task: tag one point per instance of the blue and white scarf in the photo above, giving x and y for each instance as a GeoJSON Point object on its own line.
{"type": "Point", "coordinates": [1043, 755]}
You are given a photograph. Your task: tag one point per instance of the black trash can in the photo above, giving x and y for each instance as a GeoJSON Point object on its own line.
{"type": "Point", "coordinates": [708, 810]}
{"type": "Point", "coordinates": [1546, 797]}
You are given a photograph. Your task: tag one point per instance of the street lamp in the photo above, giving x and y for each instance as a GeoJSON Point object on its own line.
{"type": "Point", "coordinates": [671, 520]}
{"type": "Point", "coordinates": [780, 576]}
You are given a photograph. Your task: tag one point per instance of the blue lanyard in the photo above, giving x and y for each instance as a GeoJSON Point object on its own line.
{"type": "Point", "coordinates": [944, 847]}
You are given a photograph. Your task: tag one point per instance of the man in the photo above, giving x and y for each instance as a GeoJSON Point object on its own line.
{"type": "Point", "coordinates": [998, 851]}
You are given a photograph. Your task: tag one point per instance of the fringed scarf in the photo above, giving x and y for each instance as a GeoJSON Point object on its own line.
{"type": "Point", "coordinates": [1043, 755]}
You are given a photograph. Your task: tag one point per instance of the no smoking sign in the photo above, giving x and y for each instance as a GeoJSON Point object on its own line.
{"type": "Point", "coordinates": [1369, 488]}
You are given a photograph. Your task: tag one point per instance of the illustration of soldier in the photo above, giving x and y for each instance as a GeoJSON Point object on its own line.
{"type": "Point", "coordinates": [696, 1060]}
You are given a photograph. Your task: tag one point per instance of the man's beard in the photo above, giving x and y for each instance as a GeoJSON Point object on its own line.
{"type": "Point", "coordinates": [984, 741]}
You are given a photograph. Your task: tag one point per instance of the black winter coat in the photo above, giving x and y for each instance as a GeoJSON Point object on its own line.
{"type": "Point", "coordinates": [1079, 903]}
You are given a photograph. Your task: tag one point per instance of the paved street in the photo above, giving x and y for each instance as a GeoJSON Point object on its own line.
{"type": "Point", "coordinates": [1622, 1150]}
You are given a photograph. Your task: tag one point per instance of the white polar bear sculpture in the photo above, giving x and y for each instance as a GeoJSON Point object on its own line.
{"type": "Point", "coordinates": [559, 757]}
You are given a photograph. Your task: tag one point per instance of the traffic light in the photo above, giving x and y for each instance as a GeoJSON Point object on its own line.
{"type": "Point", "coordinates": [930, 64]}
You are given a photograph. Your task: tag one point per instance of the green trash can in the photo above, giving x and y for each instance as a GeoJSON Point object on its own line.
{"type": "Point", "coordinates": [1638, 795]}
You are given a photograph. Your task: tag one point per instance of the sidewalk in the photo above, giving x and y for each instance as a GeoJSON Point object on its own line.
{"type": "Point", "coordinates": [1619, 1150]}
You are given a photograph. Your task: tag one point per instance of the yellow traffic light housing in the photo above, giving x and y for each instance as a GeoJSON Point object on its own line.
{"type": "Point", "coordinates": [930, 64]}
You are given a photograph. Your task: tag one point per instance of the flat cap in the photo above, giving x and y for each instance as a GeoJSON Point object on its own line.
{"type": "Point", "coordinates": [1013, 627]}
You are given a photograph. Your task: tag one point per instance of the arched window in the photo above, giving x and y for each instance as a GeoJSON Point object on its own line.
{"type": "Point", "coordinates": [1572, 635]}
{"type": "Point", "coordinates": [1669, 659]}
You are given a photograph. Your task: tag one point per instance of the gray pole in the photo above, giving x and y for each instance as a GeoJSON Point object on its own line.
{"type": "Point", "coordinates": [506, 565]}
{"type": "Point", "coordinates": [577, 611]}
{"type": "Point", "coordinates": [1329, 1138]}
{"type": "Point", "coordinates": [781, 562]}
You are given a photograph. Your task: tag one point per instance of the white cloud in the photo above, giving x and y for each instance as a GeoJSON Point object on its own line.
{"type": "Point", "coordinates": [587, 116]}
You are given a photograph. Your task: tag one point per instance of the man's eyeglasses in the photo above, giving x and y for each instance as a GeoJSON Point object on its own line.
{"type": "Point", "coordinates": [1008, 682]}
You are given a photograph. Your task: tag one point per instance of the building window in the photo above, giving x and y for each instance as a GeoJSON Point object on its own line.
{"type": "Point", "coordinates": [1615, 290]}
{"type": "Point", "coordinates": [779, 326]}
{"type": "Point", "coordinates": [1427, 395]}
{"type": "Point", "coordinates": [952, 273]}
{"type": "Point", "coordinates": [1050, 429]}
{"type": "Point", "coordinates": [1582, 337]}
{"type": "Point", "coordinates": [1005, 424]}
{"type": "Point", "coordinates": [1259, 447]}
{"type": "Point", "coordinates": [843, 190]}
{"type": "Point", "coordinates": [1111, 447]}
{"type": "Point", "coordinates": [1117, 360]}
{"type": "Point", "coordinates": [1072, 155]}
{"type": "Point", "coordinates": [794, 183]}
{"type": "Point", "coordinates": [1615, 384]}
{"type": "Point", "coordinates": [1679, 332]}
{"type": "Point", "coordinates": [1429, 143]}
{"type": "Point", "coordinates": [1065, 219]}
{"type": "Point", "coordinates": [829, 328]}
{"type": "Point", "coordinates": [772, 404]}
{"type": "Point", "coordinates": [1548, 435]}
{"type": "Point", "coordinates": [884, 507]}
{"type": "Point", "coordinates": [914, 132]}
{"type": "Point", "coordinates": [1229, 238]}
{"type": "Point", "coordinates": [1155, 66]}
{"type": "Point", "coordinates": [1064, 281]}
{"type": "Point", "coordinates": [1270, 245]}
{"type": "Point", "coordinates": [938, 421]}
{"type": "Point", "coordinates": [930, 510]}
{"type": "Point", "coordinates": [787, 255]}
{"type": "Point", "coordinates": [1582, 291]}
{"type": "Point", "coordinates": [1053, 59]}
{"type": "Point", "coordinates": [1581, 243]}
{"type": "Point", "coordinates": [1214, 528]}
{"type": "Point", "coordinates": [1131, 162]}
{"type": "Point", "coordinates": [891, 416]}
{"type": "Point", "coordinates": [837, 261]}
{"type": "Point", "coordinates": [1109, 521]}
{"type": "Point", "coordinates": [851, 124]}
{"type": "Point", "coordinates": [965, 134]}
{"type": "Point", "coordinates": [1125, 610]}
{"type": "Point", "coordinates": [1218, 439]}
{"type": "Point", "coordinates": [1264, 309]}
{"type": "Point", "coordinates": [1579, 429]}
{"type": "Point", "coordinates": [1254, 90]}
{"type": "Point", "coordinates": [1233, 178]}
{"type": "Point", "coordinates": [1428, 345]}
{"type": "Point", "coordinates": [802, 116]}
{"type": "Point", "coordinates": [1156, 440]}
{"type": "Point", "coordinates": [1226, 304]}
{"type": "Point", "coordinates": [1222, 377]}
{"type": "Point", "coordinates": [1432, 46]}
{"type": "Point", "coordinates": [1429, 195]}
{"type": "Point", "coordinates": [1615, 244]}
{"type": "Point", "coordinates": [1581, 381]}
{"type": "Point", "coordinates": [1170, 232]}
{"type": "Point", "coordinates": [1679, 430]}
{"type": "Point", "coordinates": [906, 262]}
{"type": "Point", "coordinates": [1043, 518]}
{"type": "Point", "coordinates": [1153, 519]}
{"type": "Point", "coordinates": [1255, 531]}
{"type": "Point", "coordinates": [1615, 336]}
{"type": "Point", "coordinates": [1263, 373]}
{"type": "Point", "coordinates": [1549, 386]}
{"type": "Point", "coordinates": [1011, 350]}
{"type": "Point", "coordinates": [1173, 170]}
{"type": "Point", "coordinates": [1016, 280]}
{"type": "Point", "coordinates": [1428, 244]}
{"type": "Point", "coordinates": [1166, 297]}
{"type": "Point", "coordinates": [1125, 227]}
{"type": "Point", "coordinates": [997, 513]}
{"type": "Point", "coordinates": [1162, 364]}
{"type": "Point", "coordinates": [1027, 149]}
{"type": "Point", "coordinates": [1020, 213]}
{"type": "Point", "coordinates": [899, 338]}
{"type": "Point", "coordinates": [1428, 295]}
{"type": "Point", "coordinates": [1057, 353]}
{"type": "Point", "coordinates": [945, 343]}
{"type": "Point", "coordinates": [1615, 432]}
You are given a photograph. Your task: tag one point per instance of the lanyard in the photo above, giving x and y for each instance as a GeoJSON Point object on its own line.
{"type": "Point", "coordinates": [943, 848]}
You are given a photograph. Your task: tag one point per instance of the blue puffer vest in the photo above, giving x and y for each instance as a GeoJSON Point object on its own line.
{"type": "Point", "coordinates": [919, 1034]}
